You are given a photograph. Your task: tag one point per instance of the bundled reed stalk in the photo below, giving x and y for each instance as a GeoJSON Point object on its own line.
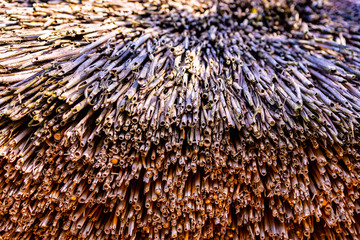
{"type": "Point", "coordinates": [179, 119]}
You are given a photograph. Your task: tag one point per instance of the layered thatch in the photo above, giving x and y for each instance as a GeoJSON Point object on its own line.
{"type": "Point", "coordinates": [179, 119]}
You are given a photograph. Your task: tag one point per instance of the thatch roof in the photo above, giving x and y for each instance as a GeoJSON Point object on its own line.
{"type": "Point", "coordinates": [179, 119]}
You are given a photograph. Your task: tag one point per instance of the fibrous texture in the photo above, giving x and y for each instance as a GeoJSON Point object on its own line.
{"type": "Point", "coordinates": [179, 119]}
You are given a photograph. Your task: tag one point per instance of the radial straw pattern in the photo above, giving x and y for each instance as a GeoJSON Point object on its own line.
{"type": "Point", "coordinates": [179, 119]}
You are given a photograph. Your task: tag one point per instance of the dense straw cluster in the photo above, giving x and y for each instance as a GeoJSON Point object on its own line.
{"type": "Point", "coordinates": [179, 119]}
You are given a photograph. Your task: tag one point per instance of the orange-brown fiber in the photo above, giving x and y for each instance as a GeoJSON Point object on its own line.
{"type": "Point", "coordinates": [179, 120]}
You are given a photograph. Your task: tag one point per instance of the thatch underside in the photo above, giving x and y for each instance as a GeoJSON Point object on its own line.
{"type": "Point", "coordinates": [179, 119]}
